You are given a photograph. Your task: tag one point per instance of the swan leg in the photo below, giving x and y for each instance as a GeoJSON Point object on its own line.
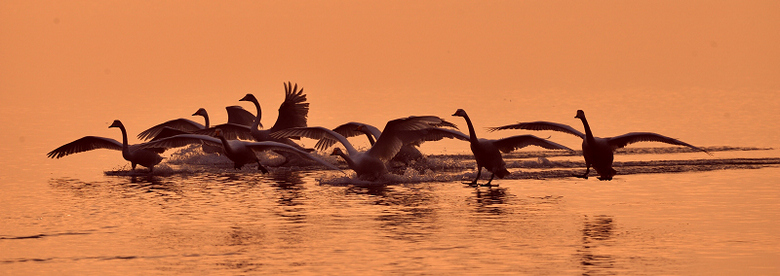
{"type": "Point", "coordinates": [133, 165]}
{"type": "Point", "coordinates": [474, 183]}
{"type": "Point", "coordinates": [261, 168]}
{"type": "Point", "coordinates": [587, 171]}
{"type": "Point", "coordinates": [491, 180]}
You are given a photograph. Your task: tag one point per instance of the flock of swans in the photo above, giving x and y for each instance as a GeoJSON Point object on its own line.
{"type": "Point", "coordinates": [241, 138]}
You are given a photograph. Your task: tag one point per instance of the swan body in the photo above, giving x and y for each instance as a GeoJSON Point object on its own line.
{"type": "Point", "coordinates": [370, 164]}
{"type": "Point", "coordinates": [488, 152]}
{"type": "Point", "coordinates": [599, 152]}
{"type": "Point", "coordinates": [136, 154]}
{"type": "Point", "coordinates": [240, 152]}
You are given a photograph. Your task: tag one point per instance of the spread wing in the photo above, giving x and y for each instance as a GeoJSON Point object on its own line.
{"type": "Point", "coordinates": [86, 143]}
{"type": "Point", "coordinates": [317, 133]}
{"type": "Point", "coordinates": [399, 132]}
{"type": "Point", "coordinates": [275, 146]}
{"type": "Point", "coordinates": [347, 130]}
{"type": "Point", "coordinates": [230, 131]}
{"type": "Point", "coordinates": [520, 141]}
{"type": "Point", "coordinates": [294, 109]}
{"type": "Point", "coordinates": [434, 134]}
{"type": "Point", "coordinates": [238, 115]}
{"type": "Point", "coordinates": [181, 141]}
{"type": "Point", "coordinates": [541, 125]}
{"type": "Point", "coordinates": [180, 124]}
{"type": "Point", "coordinates": [634, 137]}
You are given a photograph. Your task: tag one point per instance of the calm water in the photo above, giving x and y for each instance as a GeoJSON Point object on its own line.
{"type": "Point", "coordinates": [665, 213]}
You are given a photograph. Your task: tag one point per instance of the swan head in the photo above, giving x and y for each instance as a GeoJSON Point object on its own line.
{"type": "Point", "coordinates": [116, 123]}
{"type": "Point", "coordinates": [249, 98]}
{"type": "Point", "coordinates": [580, 114]}
{"type": "Point", "coordinates": [200, 112]}
{"type": "Point", "coordinates": [460, 112]}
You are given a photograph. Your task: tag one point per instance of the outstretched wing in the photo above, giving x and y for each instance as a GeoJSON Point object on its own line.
{"type": "Point", "coordinates": [520, 141]}
{"type": "Point", "coordinates": [347, 130]}
{"type": "Point", "coordinates": [275, 146]}
{"type": "Point", "coordinates": [180, 124]}
{"type": "Point", "coordinates": [181, 141]}
{"type": "Point", "coordinates": [86, 143]}
{"type": "Point", "coordinates": [634, 137]}
{"type": "Point", "coordinates": [230, 131]}
{"type": "Point", "coordinates": [399, 132]}
{"type": "Point", "coordinates": [239, 115]}
{"type": "Point", "coordinates": [542, 125]}
{"type": "Point", "coordinates": [433, 134]}
{"type": "Point", "coordinates": [317, 133]}
{"type": "Point", "coordinates": [166, 132]}
{"type": "Point", "coordinates": [294, 109]}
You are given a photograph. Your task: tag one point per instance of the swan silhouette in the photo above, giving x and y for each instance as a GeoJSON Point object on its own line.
{"type": "Point", "coordinates": [136, 154]}
{"type": "Point", "coordinates": [370, 164]}
{"type": "Point", "coordinates": [598, 152]}
{"type": "Point", "coordinates": [488, 152]}
{"type": "Point", "coordinates": [240, 152]}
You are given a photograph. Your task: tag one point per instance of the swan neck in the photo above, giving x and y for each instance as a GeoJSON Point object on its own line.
{"type": "Point", "coordinates": [588, 133]}
{"type": "Point", "coordinates": [256, 123]}
{"type": "Point", "coordinates": [125, 146]}
{"type": "Point", "coordinates": [472, 133]}
{"type": "Point", "coordinates": [206, 118]}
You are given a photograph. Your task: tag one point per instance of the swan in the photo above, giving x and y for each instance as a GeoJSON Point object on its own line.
{"type": "Point", "coordinates": [136, 154]}
{"type": "Point", "coordinates": [240, 152]}
{"type": "Point", "coordinates": [598, 152]}
{"type": "Point", "coordinates": [236, 115]}
{"type": "Point", "coordinates": [370, 164]}
{"type": "Point", "coordinates": [486, 152]}
{"type": "Point", "coordinates": [292, 113]}
{"type": "Point", "coordinates": [408, 152]}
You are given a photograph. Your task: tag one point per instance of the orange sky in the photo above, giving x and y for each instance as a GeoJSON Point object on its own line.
{"type": "Point", "coordinates": [94, 55]}
{"type": "Point", "coordinates": [146, 47]}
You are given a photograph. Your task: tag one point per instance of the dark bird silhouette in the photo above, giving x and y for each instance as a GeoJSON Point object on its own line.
{"type": "Point", "coordinates": [488, 152]}
{"type": "Point", "coordinates": [599, 152]}
{"type": "Point", "coordinates": [137, 155]}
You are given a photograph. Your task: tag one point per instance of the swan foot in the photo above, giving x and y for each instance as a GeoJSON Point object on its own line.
{"type": "Point", "coordinates": [605, 178]}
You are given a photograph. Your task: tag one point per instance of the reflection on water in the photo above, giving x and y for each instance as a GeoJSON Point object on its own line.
{"type": "Point", "coordinates": [490, 200]}
{"type": "Point", "coordinates": [597, 232]}
{"type": "Point", "coordinates": [222, 220]}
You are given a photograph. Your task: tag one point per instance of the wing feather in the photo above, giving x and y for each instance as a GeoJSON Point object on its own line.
{"type": "Point", "coordinates": [634, 137]}
{"type": "Point", "coordinates": [180, 124]}
{"type": "Point", "coordinates": [542, 125]}
{"type": "Point", "coordinates": [86, 143]}
{"type": "Point", "coordinates": [512, 143]}
{"type": "Point", "coordinates": [294, 109]}
{"type": "Point", "coordinates": [239, 115]}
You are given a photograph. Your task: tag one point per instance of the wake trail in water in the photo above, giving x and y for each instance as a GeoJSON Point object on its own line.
{"type": "Point", "coordinates": [461, 167]}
